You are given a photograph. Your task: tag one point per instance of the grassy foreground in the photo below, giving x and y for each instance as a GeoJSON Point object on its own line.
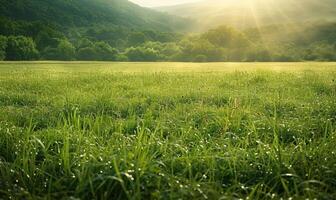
{"type": "Point", "coordinates": [167, 131]}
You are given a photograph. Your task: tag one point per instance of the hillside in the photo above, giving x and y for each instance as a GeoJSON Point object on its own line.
{"type": "Point", "coordinates": [84, 13]}
{"type": "Point", "coordinates": [80, 29]}
{"type": "Point", "coordinates": [253, 13]}
{"type": "Point", "coordinates": [117, 30]}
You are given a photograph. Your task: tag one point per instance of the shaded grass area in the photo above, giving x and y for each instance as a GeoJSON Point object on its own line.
{"type": "Point", "coordinates": [133, 131]}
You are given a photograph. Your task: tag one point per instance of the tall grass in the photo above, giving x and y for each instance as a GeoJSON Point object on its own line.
{"type": "Point", "coordinates": [166, 131]}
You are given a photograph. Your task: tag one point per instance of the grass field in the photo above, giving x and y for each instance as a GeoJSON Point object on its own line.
{"type": "Point", "coordinates": [167, 130]}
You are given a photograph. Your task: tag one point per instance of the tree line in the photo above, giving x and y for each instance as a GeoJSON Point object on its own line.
{"type": "Point", "coordinates": [40, 41]}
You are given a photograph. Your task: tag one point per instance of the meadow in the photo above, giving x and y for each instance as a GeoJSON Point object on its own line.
{"type": "Point", "coordinates": [95, 130]}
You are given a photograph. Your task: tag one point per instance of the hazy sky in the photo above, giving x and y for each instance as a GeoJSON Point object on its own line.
{"type": "Point", "coordinates": [154, 3]}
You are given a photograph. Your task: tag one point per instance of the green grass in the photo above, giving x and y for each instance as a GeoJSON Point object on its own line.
{"type": "Point", "coordinates": [167, 130]}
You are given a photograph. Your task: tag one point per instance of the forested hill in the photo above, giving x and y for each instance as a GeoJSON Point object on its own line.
{"type": "Point", "coordinates": [80, 29]}
{"type": "Point", "coordinates": [253, 13]}
{"type": "Point", "coordinates": [117, 30]}
{"type": "Point", "coordinates": [84, 13]}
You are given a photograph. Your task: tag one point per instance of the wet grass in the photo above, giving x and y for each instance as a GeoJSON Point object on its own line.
{"type": "Point", "coordinates": [167, 131]}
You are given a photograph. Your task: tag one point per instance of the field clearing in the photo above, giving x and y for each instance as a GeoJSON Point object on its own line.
{"type": "Point", "coordinates": [58, 66]}
{"type": "Point", "coordinates": [95, 130]}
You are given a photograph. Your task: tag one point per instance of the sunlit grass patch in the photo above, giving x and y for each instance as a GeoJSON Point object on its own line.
{"type": "Point", "coordinates": [167, 130]}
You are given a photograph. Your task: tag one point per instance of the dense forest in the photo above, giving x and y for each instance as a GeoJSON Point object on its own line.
{"type": "Point", "coordinates": [121, 31]}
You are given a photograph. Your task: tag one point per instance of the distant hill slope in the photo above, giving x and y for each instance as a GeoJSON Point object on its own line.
{"type": "Point", "coordinates": [253, 13]}
{"type": "Point", "coordinates": [84, 13]}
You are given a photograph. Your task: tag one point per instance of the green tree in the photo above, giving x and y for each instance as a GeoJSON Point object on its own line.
{"type": "Point", "coordinates": [48, 38]}
{"type": "Point", "coordinates": [87, 53]}
{"type": "Point", "coordinates": [3, 45]}
{"type": "Point", "coordinates": [136, 38]}
{"type": "Point", "coordinates": [84, 43]}
{"type": "Point", "coordinates": [120, 43]}
{"type": "Point", "coordinates": [105, 52]}
{"type": "Point", "coordinates": [122, 58]}
{"type": "Point", "coordinates": [200, 50]}
{"type": "Point", "coordinates": [96, 51]}
{"type": "Point", "coordinates": [170, 51]}
{"type": "Point", "coordinates": [320, 51]}
{"type": "Point", "coordinates": [259, 54]}
{"type": "Point", "coordinates": [21, 48]}
{"type": "Point", "coordinates": [142, 54]}
{"type": "Point", "coordinates": [226, 37]}
{"type": "Point", "coordinates": [64, 51]}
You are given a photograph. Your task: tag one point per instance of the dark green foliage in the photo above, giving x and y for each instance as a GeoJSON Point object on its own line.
{"type": "Point", "coordinates": [163, 51]}
{"type": "Point", "coordinates": [142, 54]}
{"type": "Point", "coordinates": [3, 46]}
{"type": "Point", "coordinates": [321, 51]}
{"type": "Point", "coordinates": [109, 30]}
{"type": "Point", "coordinates": [222, 44]}
{"type": "Point", "coordinates": [171, 51]}
{"type": "Point", "coordinates": [226, 37]}
{"type": "Point", "coordinates": [2, 55]}
{"type": "Point", "coordinates": [136, 38]}
{"type": "Point", "coordinates": [115, 36]}
{"type": "Point", "coordinates": [21, 48]}
{"type": "Point", "coordinates": [48, 38]}
{"type": "Point", "coordinates": [63, 51]}
{"type": "Point", "coordinates": [105, 52]}
{"type": "Point", "coordinates": [161, 36]}
{"type": "Point", "coordinates": [114, 23]}
{"type": "Point", "coordinates": [200, 50]}
{"type": "Point", "coordinates": [122, 58]}
{"type": "Point", "coordinates": [320, 32]}
{"type": "Point", "coordinates": [96, 51]}
{"type": "Point", "coordinates": [86, 53]}
{"type": "Point", "coordinates": [84, 43]}
{"type": "Point", "coordinates": [259, 54]}
{"type": "Point", "coordinates": [86, 13]}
